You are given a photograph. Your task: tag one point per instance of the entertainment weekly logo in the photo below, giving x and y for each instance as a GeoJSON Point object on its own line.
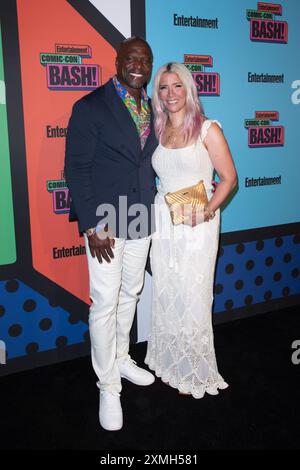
{"type": "Point", "coordinates": [261, 133]}
{"type": "Point", "coordinates": [65, 70]}
{"type": "Point", "coordinates": [207, 83]}
{"type": "Point", "coordinates": [263, 27]}
{"type": "Point", "coordinates": [61, 198]}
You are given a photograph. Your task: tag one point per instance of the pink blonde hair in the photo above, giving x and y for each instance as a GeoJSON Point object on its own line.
{"type": "Point", "coordinates": [193, 117]}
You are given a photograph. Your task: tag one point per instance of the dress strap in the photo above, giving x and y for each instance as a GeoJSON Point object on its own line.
{"type": "Point", "coordinates": [206, 125]}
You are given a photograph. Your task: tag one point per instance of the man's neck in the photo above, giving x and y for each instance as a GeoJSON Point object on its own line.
{"type": "Point", "coordinates": [136, 94]}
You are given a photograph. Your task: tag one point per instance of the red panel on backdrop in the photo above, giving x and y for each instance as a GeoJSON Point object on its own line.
{"type": "Point", "coordinates": [61, 60]}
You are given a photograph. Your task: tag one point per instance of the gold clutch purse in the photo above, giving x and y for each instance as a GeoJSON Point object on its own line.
{"type": "Point", "coordinates": [194, 196]}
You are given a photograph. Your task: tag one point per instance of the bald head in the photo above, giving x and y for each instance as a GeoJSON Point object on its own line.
{"type": "Point", "coordinates": [133, 40]}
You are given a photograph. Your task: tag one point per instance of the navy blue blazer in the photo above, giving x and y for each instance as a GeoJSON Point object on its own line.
{"type": "Point", "coordinates": [104, 160]}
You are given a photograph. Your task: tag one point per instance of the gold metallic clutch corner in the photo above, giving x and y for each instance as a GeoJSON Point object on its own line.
{"type": "Point", "coordinates": [194, 196]}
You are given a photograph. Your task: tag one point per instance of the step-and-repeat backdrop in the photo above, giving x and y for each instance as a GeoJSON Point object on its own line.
{"type": "Point", "coordinates": [243, 57]}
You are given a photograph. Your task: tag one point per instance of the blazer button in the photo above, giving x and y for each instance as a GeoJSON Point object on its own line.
{"type": "Point", "coordinates": [134, 190]}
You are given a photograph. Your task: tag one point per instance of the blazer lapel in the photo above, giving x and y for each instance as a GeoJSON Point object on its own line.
{"type": "Point", "coordinates": [151, 141]}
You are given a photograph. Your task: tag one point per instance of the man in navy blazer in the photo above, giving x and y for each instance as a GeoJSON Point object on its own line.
{"type": "Point", "coordinates": [110, 141]}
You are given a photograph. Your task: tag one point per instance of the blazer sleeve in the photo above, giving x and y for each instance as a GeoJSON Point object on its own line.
{"type": "Point", "coordinates": [81, 143]}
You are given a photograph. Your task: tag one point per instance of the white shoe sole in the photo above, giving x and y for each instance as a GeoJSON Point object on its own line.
{"type": "Point", "coordinates": [111, 428]}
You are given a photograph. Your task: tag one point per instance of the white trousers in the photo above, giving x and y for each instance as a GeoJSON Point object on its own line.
{"type": "Point", "coordinates": [114, 291]}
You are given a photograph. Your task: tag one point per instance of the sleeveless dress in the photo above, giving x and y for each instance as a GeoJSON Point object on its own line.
{"type": "Point", "coordinates": [180, 345]}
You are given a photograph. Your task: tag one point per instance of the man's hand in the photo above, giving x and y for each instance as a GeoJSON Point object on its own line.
{"type": "Point", "coordinates": [101, 246]}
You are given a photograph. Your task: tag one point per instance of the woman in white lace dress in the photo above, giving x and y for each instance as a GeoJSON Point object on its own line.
{"type": "Point", "coordinates": [180, 347]}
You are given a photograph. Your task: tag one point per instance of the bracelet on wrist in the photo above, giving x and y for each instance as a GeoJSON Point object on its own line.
{"type": "Point", "coordinates": [96, 230]}
{"type": "Point", "coordinates": [99, 229]}
{"type": "Point", "coordinates": [90, 231]}
{"type": "Point", "coordinates": [209, 213]}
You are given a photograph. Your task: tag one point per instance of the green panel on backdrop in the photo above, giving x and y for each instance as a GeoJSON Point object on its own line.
{"type": "Point", "coordinates": [7, 230]}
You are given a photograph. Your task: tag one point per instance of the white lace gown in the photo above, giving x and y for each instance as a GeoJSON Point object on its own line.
{"type": "Point", "coordinates": [180, 346]}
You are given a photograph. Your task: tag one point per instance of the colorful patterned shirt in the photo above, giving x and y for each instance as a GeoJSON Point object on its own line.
{"type": "Point", "coordinates": [142, 119]}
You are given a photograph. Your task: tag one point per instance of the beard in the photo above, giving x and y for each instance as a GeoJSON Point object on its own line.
{"type": "Point", "coordinates": [133, 82]}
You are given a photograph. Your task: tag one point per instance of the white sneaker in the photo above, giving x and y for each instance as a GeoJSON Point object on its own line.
{"type": "Point", "coordinates": [130, 371]}
{"type": "Point", "coordinates": [110, 411]}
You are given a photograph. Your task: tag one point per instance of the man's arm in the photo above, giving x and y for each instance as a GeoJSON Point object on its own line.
{"type": "Point", "coordinates": [80, 152]}
{"type": "Point", "coordinates": [80, 149]}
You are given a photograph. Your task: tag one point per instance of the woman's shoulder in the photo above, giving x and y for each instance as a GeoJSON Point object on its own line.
{"type": "Point", "coordinates": [206, 123]}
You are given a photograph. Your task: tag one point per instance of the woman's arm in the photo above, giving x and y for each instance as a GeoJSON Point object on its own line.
{"type": "Point", "coordinates": [222, 161]}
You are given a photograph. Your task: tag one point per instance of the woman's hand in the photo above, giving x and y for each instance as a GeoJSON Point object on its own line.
{"type": "Point", "coordinates": [193, 215]}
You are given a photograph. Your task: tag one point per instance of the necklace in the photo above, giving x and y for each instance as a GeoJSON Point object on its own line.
{"type": "Point", "coordinates": [172, 134]}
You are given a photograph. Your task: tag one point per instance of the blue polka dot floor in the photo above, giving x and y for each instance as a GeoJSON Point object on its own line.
{"type": "Point", "coordinates": [257, 271]}
{"type": "Point", "coordinates": [29, 324]}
